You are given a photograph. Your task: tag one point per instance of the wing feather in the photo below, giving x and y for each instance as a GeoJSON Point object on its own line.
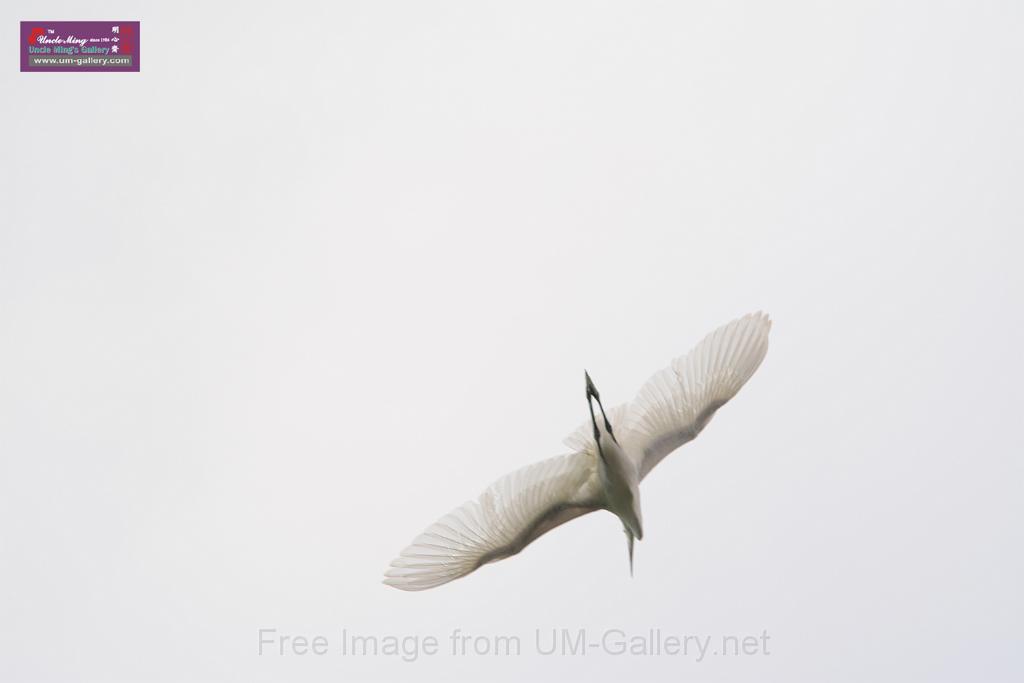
{"type": "Point", "coordinates": [508, 516]}
{"type": "Point", "coordinates": [677, 402]}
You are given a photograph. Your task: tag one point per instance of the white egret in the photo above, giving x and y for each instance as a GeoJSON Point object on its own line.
{"type": "Point", "coordinates": [609, 458]}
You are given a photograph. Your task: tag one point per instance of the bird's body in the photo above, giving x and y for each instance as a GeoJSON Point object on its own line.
{"type": "Point", "coordinates": [620, 485]}
{"type": "Point", "coordinates": [609, 458]}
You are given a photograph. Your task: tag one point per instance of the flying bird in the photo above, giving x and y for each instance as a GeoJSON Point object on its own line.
{"type": "Point", "coordinates": [609, 458]}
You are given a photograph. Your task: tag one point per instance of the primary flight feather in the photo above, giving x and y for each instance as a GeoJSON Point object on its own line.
{"type": "Point", "coordinates": [609, 458]}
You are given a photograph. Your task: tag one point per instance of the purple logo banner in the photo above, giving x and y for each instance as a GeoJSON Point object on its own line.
{"type": "Point", "coordinates": [79, 46]}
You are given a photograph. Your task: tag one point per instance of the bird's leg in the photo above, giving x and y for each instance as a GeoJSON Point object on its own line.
{"type": "Point", "coordinates": [593, 420]}
{"type": "Point", "coordinates": [592, 391]}
{"type": "Point", "coordinates": [607, 424]}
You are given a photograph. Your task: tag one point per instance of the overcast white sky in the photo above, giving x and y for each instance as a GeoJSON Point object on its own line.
{"type": "Point", "coordinates": [322, 271]}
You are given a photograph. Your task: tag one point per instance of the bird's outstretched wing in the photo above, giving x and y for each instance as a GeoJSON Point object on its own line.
{"type": "Point", "coordinates": [507, 517]}
{"type": "Point", "coordinates": [675, 404]}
